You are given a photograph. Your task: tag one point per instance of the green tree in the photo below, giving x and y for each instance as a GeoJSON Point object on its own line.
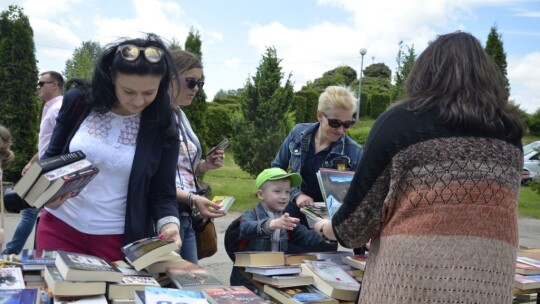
{"type": "Point", "coordinates": [81, 65]}
{"type": "Point", "coordinates": [20, 106]}
{"type": "Point", "coordinates": [196, 112]}
{"type": "Point", "coordinates": [342, 75]}
{"type": "Point", "coordinates": [261, 125]}
{"type": "Point", "coordinates": [378, 70]}
{"type": "Point", "coordinates": [405, 61]}
{"type": "Point", "coordinates": [495, 49]}
{"type": "Point", "coordinates": [533, 122]}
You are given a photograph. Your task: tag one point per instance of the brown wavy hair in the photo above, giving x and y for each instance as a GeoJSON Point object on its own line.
{"type": "Point", "coordinates": [6, 155]}
{"type": "Point", "coordinates": [456, 75]}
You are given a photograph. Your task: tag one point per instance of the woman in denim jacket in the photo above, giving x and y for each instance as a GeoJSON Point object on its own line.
{"type": "Point", "coordinates": [323, 144]}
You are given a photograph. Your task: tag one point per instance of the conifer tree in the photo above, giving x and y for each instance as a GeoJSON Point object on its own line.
{"type": "Point", "coordinates": [261, 125]}
{"type": "Point", "coordinates": [495, 49]}
{"type": "Point", "coordinates": [19, 110]}
{"type": "Point", "coordinates": [81, 65]}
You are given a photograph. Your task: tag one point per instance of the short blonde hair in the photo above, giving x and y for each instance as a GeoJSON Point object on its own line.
{"type": "Point", "coordinates": [337, 97]}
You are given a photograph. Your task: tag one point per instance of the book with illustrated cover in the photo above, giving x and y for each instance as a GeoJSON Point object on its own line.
{"type": "Point", "coordinates": [47, 179]}
{"type": "Point", "coordinates": [298, 295]}
{"type": "Point", "coordinates": [68, 185]}
{"type": "Point", "coordinates": [144, 252]}
{"type": "Point", "coordinates": [332, 280]}
{"type": "Point", "coordinates": [44, 165]}
{"type": "Point", "coordinates": [20, 296]}
{"type": "Point", "coordinates": [314, 213]}
{"type": "Point", "coordinates": [85, 267]}
{"type": "Point", "coordinates": [232, 295]}
{"type": "Point", "coordinates": [62, 288]}
{"type": "Point", "coordinates": [127, 287]}
{"type": "Point", "coordinates": [225, 200]}
{"type": "Point", "coordinates": [156, 295]}
{"type": "Point", "coordinates": [34, 259]}
{"type": "Point", "coordinates": [334, 185]}
{"type": "Point", "coordinates": [192, 278]}
{"type": "Point", "coordinates": [259, 258]}
{"type": "Point", "coordinates": [284, 280]}
{"type": "Point", "coordinates": [11, 278]}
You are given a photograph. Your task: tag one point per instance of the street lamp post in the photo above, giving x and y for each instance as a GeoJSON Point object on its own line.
{"type": "Point", "coordinates": [362, 52]}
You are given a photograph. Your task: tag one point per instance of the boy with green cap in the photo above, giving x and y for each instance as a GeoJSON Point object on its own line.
{"type": "Point", "coordinates": [267, 227]}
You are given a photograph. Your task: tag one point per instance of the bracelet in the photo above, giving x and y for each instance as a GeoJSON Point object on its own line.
{"type": "Point", "coordinates": [325, 239]}
{"type": "Point", "coordinates": [190, 199]}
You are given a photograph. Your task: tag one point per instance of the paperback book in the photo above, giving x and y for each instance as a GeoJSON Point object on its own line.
{"type": "Point", "coordinates": [334, 185]}
{"type": "Point", "coordinates": [298, 258]}
{"type": "Point", "coordinates": [298, 295]}
{"type": "Point", "coordinates": [192, 278]}
{"type": "Point", "coordinates": [527, 282]}
{"type": "Point", "coordinates": [44, 165]}
{"type": "Point", "coordinates": [156, 295]}
{"type": "Point", "coordinates": [274, 270]}
{"type": "Point", "coordinates": [259, 258]}
{"type": "Point", "coordinates": [35, 259]}
{"type": "Point", "coordinates": [127, 287]}
{"type": "Point", "coordinates": [232, 295]}
{"type": "Point", "coordinates": [284, 280]}
{"type": "Point", "coordinates": [144, 252]}
{"type": "Point", "coordinates": [11, 278]}
{"type": "Point", "coordinates": [20, 296]}
{"type": "Point", "coordinates": [356, 261]}
{"type": "Point", "coordinates": [84, 267]}
{"type": "Point", "coordinates": [62, 288]}
{"type": "Point", "coordinates": [332, 280]}
{"type": "Point", "coordinates": [226, 202]}
{"type": "Point", "coordinates": [65, 187]}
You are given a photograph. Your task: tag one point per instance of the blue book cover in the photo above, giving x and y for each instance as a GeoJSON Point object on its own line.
{"type": "Point", "coordinates": [154, 295]}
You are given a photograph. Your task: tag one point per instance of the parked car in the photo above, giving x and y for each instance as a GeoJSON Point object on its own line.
{"type": "Point", "coordinates": [531, 161]}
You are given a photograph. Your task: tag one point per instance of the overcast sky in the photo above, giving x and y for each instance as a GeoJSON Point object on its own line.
{"type": "Point", "coordinates": [310, 36]}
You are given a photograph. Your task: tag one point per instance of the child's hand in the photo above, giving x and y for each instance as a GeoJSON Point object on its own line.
{"type": "Point", "coordinates": [284, 222]}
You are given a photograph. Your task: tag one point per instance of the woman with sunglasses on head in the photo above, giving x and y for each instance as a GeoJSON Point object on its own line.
{"type": "Point", "coordinates": [182, 91]}
{"type": "Point", "coordinates": [124, 124]}
{"type": "Point", "coordinates": [324, 144]}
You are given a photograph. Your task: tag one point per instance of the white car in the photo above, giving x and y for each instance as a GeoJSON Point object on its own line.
{"type": "Point", "coordinates": [531, 158]}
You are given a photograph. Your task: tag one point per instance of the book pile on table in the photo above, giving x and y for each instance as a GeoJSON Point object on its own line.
{"type": "Point", "coordinates": [13, 288]}
{"type": "Point", "coordinates": [527, 279]}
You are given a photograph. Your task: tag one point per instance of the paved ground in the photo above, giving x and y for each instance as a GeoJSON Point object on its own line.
{"type": "Point", "coordinates": [220, 265]}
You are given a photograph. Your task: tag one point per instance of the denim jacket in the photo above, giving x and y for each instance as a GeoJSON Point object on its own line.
{"type": "Point", "coordinates": [254, 227]}
{"type": "Point", "coordinates": [294, 149]}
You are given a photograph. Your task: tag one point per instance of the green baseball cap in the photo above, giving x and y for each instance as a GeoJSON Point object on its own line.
{"type": "Point", "coordinates": [277, 174]}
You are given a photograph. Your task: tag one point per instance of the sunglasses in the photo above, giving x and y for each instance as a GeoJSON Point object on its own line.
{"type": "Point", "coordinates": [132, 52]}
{"type": "Point", "coordinates": [42, 83]}
{"type": "Point", "coordinates": [191, 83]}
{"type": "Point", "coordinates": [336, 123]}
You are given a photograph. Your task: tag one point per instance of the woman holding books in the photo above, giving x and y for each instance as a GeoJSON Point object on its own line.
{"type": "Point", "coordinates": [124, 125]}
{"type": "Point", "coordinates": [437, 188]}
{"type": "Point", "coordinates": [324, 144]}
{"type": "Point", "coordinates": [182, 90]}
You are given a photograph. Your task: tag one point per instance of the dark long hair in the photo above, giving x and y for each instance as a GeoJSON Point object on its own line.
{"type": "Point", "coordinates": [458, 77]}
{"type": "Point", "coordinates": [102, 96]}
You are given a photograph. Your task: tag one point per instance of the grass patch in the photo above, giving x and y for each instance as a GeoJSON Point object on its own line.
{"type": "Point", "coordinates": [529, 203]}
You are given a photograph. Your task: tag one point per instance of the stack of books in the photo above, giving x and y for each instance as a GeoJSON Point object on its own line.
{"type": "Point", "coordinates": [80, 275]}
{"type": "Point", "coordinates": [48, 182]}
{"type": "Point", "coordinates": [527, 273]}
{"type": "Point", "coordinates": [332, 280]}
{"type": "Point", "coordinates": [358, 263]}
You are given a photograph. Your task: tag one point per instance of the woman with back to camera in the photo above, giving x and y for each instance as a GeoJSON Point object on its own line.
{"type": "Point", "coordinates": [124, 125]}
{"type": "Point", "coordinates": [324, 144]}
{"type": "Point", "coordinates": [182, 91]}
{"type": "Point", "coordinates": [437, 188]}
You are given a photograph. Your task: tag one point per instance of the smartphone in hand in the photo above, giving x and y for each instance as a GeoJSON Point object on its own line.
{"type": "Point", "coordinates": [222, 145]}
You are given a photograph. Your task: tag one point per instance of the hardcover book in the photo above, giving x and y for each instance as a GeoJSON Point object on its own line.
{"type": "Point", "coordinates": [62, 288]}
{"type": "Point", "coordinates": [527, 282]}
{"type": "Point", "coordinates": [20, 296]}
{"type": "Point", "coordinates": [34, 259]}
{"type": "Point", "coordinates": [157, 295]}
{"type": "Point", "coordinates": [47, 179]}
{"type": "Point", "coordinates": [42, 166]}
{"type": "Point", "coordinates": [284, 280]}
{"type": "Point", "coordinates": [529, 252]}
{"type": "Point", "coordinates": [332, 280]}
{"type": "Point", "coordinates": [259, 258]}
{"type": "Point", "coordinates": [232, 295]}
{"type": "Point", "coordinates": [225, 200]}
{"type": "Point", "coordinates": [298, 295]}
{"type": "Point", "coordinates": [11, 278]}
{"type": "Point", "coordinates": [100, 299]}
{"type": "Point", "coordinates": [126, 289]}
{"type": "Point", "coordinates": [173, 260]}
{"type": "Point", "coordinates": [526, 269]}
{"type": "Point", "coordinates": [274, 270]}
{"type": "Point", "coordinates": [144, 252]}
{"type": "Point", "coordinates": [298, 258]}
{"type": "Point", "coordinates": [192, 278]}
{"type": "Point", "coordinates": [334, 185]}
{"type": "Point", "coordinates": [84, 267]}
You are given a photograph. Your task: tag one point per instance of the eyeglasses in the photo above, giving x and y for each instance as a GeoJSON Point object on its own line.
{"type": "Point", "coordinates": [42, 83]}
{"type": "Point", "coordinates": [132, 52]}
{"type": "Point", "coordinates": [336, 123]}
{"type": "Point", "coordinates": [191, 83]}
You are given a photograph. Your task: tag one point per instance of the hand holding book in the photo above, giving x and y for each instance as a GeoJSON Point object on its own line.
{"type": "Point", "coordinates": [205, 206]}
